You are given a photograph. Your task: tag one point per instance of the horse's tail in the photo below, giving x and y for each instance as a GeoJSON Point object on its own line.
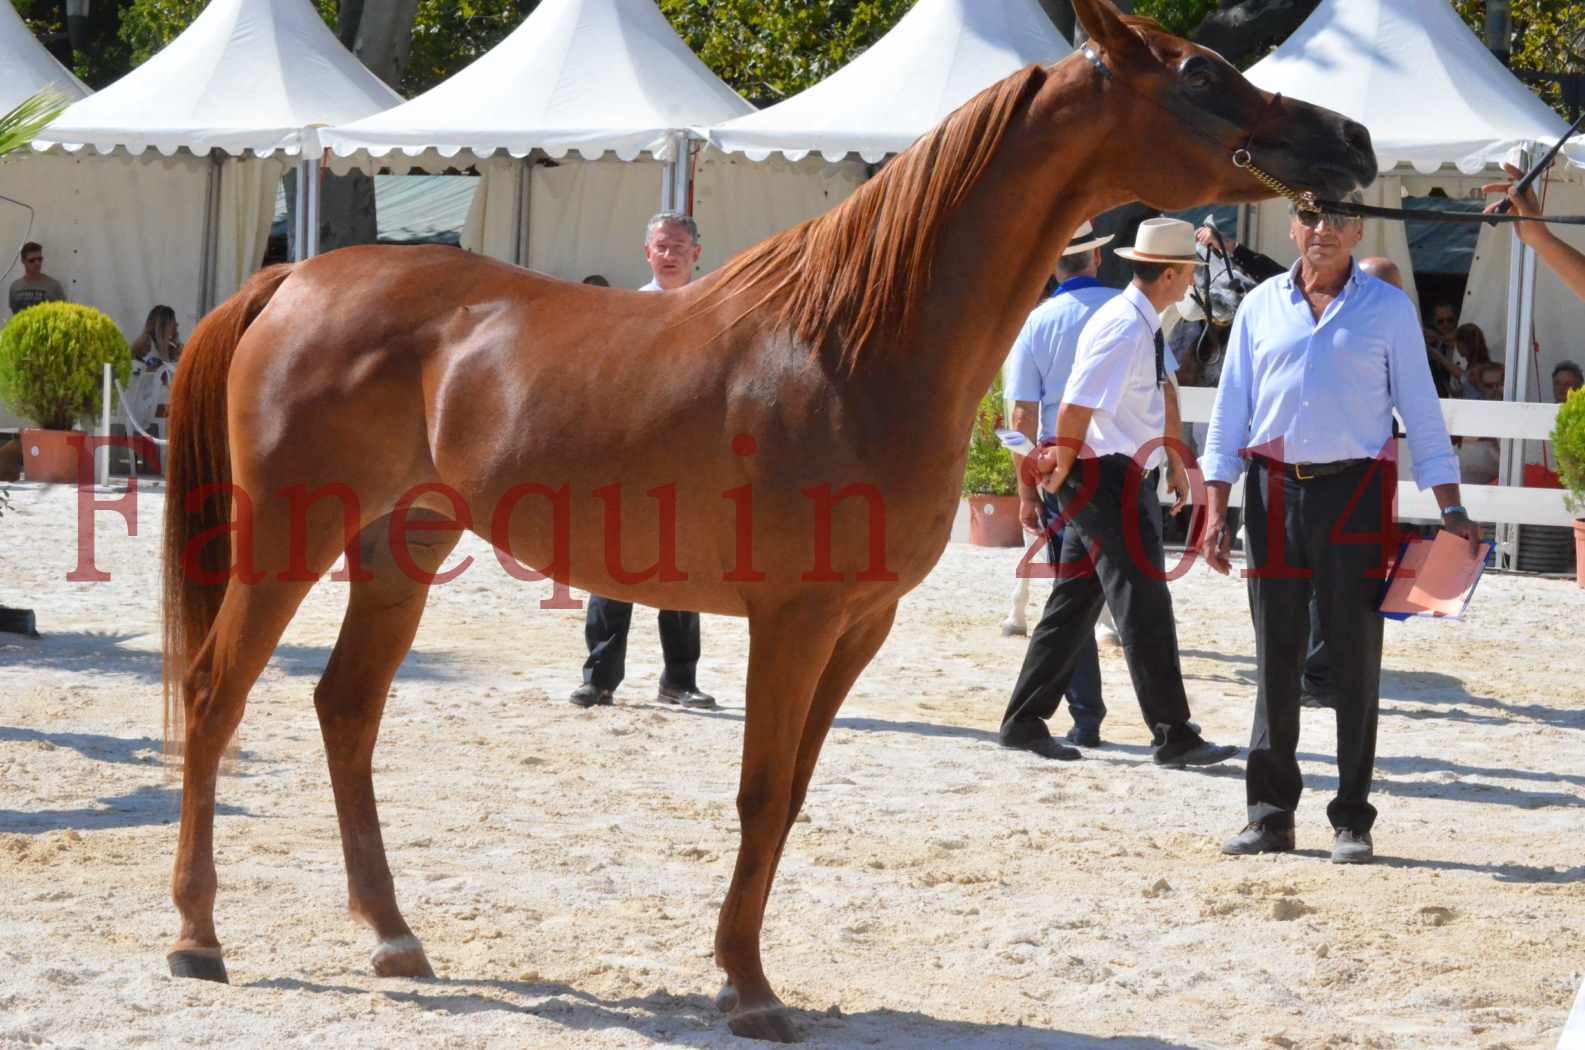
{"type": "Point", "coordinates": [198, 486]}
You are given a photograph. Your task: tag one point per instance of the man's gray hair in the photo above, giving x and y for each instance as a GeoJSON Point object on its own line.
{"type": "Point", "coordinates": [672, 218]}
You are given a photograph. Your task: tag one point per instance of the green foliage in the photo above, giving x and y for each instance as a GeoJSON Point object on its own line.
{"type": "Point", "coordinates": [1548, 37]}
{"type": "Point", "coordinates": [991, 469]}
{"type": "Point", "coordinates": [52, 359]}
{"type": "Point", "coordinates": [1178, 16]}
{"type": "Point", "coordinates": [1568, 444]}
{"type": "Point", "coordinates": [22, 124]}
{"type": "Point", "coordinates": [770, 49]}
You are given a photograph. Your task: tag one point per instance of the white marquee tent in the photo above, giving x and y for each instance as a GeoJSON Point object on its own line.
{"type": "Point", "coordinates": [606, 79]}
{"type": "Point", "coordinates": [177, 206]}
{"type": "Point", "coordinates": [26, 68]}
{"type": "Point", "coordinates": [937, 57]}
{"type": "Point", "coordinates": [1442, 111]}
{"type": "Point", "coordinates": [941, 54]}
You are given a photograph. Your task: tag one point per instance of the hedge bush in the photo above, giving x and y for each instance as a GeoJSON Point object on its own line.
{"type": "Point", "coordinates": [991, 469]}
{"type": "Point", "coordinates": [52, 359]}
{"type": "Point", "coordinates": [1568, 444]}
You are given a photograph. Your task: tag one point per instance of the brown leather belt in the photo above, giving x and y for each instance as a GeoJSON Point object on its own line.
{"type": "Point", "coordinates": [1311, 471]}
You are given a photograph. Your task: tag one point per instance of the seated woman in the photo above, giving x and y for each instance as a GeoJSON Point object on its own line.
{"type": "Point", "coordinates": [154, 355]}
{"type": "Point", "coordinates": [1470, 353]}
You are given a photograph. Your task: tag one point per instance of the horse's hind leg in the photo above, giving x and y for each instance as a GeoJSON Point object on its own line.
{"type": "Point", "coordinates": [214, 692]}
{"type": "Point", "coordinates": [382, 617]}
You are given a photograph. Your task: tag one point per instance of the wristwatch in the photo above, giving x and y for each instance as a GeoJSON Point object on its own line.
{"type": "Point", "coordinates": [1448, 512]}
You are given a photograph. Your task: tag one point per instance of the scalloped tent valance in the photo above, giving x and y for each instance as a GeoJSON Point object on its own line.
{"type": "Point", "coordinates": [592, 76]}
{"type": "Point", "coordinates": [941, 54]}
{"type": "Point", "coordinates": [248, 76]}
{"type": "Point", "coordinates": [1414, 74]}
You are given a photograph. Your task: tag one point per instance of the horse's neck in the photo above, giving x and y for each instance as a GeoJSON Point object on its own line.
{"type": "Point", "coordinates": [1002, 243]}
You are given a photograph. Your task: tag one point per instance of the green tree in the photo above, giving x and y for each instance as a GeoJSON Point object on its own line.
{"type": "Point", "coordinates": [770, 49]}
{"type": "Point", "coordinates": [1548, 37]}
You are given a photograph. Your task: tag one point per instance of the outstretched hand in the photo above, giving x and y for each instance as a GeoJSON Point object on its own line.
{"type": "Point", "coordinates": [1526, 203]}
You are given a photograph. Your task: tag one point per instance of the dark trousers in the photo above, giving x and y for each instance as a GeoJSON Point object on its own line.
{"type": "Point", "coordinates": [1083, 694]}
{"type": "Point", "coordinates": [1346, 581]}
{"type": "Point", "coordinates": [605, 628]}
{"type": "Point", "coordinates": [1100, 567]}
{"type": "Point", "coordinates": [1317, 664]}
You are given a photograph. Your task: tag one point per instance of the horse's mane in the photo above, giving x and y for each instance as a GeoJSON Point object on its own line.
{"type": "Point", "coordinates": [844, 280]}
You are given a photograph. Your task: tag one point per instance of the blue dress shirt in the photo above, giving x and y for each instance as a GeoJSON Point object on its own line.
{"type": "Point", "coordinates": [1326, 390]}
{"type": "Point", "coordinates": [1042, 356]}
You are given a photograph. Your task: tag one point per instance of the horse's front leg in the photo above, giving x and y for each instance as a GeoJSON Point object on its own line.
{"type": "Point", "coordinates": [788, 651]}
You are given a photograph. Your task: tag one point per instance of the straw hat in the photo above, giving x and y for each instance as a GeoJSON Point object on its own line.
{"type": "Point", "coordinates": [1163, 241]}
{"type": "Point", "coordinates": [1084, 240]}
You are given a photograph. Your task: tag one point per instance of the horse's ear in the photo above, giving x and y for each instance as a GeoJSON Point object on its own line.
{"type": "Point", "coordinates": [1104, 26]}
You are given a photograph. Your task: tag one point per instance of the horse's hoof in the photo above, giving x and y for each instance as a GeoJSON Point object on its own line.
{"type": "Point", "coordinates": [726, 998]}
{"type": "Point", "coordinates": [202, 964]}
{"type": "Point", "coordinates": [774, 1024]}
{"type": "Point", "coordinates": [403, 957]}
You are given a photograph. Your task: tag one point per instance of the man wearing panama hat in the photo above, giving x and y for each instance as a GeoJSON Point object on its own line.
{"type": "Point", "coordinates": [1114, 415]}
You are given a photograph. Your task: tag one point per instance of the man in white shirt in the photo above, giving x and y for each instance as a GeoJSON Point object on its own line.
{"type": "Point", "coordinates": [1115, 408]}
{"type": "Point", "coordinates": [672, 248]}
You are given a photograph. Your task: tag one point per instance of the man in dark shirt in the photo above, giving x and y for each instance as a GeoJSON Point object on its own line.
{"type": "Point", "coordinates": [34, 286]}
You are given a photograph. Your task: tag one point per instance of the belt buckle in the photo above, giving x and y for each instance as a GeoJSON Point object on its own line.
{"type": "Point", "coordinates": [1298, 473]}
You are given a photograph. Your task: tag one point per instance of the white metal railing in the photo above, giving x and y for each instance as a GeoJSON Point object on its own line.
{"type": "Point", "coordinates": [102, 453]}
{"type": "Point", "coordinates": [1506, 504]}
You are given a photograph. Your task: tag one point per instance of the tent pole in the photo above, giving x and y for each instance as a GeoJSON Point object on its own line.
{"type": "Point", "coordinates": [522, 215]}
{"type": "Point", "coordinates": [210, 255]}
{"type": "Point", "coordinates": [312, 238]}
{"type": "Point", "coordinates": [680, 182]}
{"type": "Point", "coordinates": [300, 213]}
{"type": "Point", "coordinates": [1507, 534]}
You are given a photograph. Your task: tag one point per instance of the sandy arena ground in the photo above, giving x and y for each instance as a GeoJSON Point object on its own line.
{"type": "Point", "coordinates": [564, 867]}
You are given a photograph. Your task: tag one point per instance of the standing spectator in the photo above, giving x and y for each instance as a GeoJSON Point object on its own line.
{"type": "Point", "coordinates": [1319, 440]}
{"type": "Point", "coordinates": [34, 286]}
{"type": "Point", "coordinates": [1566, 378]}
{"type": "Point", "coordinates": [671, 245]}
{"type": "Point", "coordinates": [1037, 373]}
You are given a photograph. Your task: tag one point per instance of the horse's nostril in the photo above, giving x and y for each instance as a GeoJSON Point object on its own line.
{"type": "Point", "coordinates": [1357, 136]}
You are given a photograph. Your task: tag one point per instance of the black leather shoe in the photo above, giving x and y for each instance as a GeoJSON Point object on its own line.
{"type": "Point", "coordinates": [1259, 838]}
{"type": "Point", "coordinates": [1046, 747]}
{"type": "Point", "coordinates": [590, 695]}
{"type": "Point", "coordinates": [686, 698]}
{"type": "Point", "coordinates": [1193, 752]}
{"type": "Point", "coordinates": [1084, 736]}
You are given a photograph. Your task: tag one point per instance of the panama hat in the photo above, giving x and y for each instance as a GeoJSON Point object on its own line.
{"type": "Point", "coordinates": [1084, 240]}
{"type": "Point", "coordinates": [1163, 241]}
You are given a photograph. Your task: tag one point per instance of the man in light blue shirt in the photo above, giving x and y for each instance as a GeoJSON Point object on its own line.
{"type": "Point", "coordinates": [1036, 372]}
{"type": "Point", "coordinates": [1316, 362]}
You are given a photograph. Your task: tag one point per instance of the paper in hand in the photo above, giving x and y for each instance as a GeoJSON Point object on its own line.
{"type": "Point", "coordinates": [1014, 442]}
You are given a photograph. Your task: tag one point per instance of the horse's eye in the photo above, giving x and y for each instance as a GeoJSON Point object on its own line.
{"type": "Point", "coordinates": [1198, 73]}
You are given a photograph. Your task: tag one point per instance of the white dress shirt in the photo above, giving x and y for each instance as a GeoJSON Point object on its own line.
{"type": "Point", "coordinates": [652, 286]}
{"type": "Point", "coordinates": [1114, 373]}
{"type": "Point", "coordinates": [1307, 391]}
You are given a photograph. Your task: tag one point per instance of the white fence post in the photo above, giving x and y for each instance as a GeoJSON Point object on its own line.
{"type": "Point", "coordinates": [102, 453]}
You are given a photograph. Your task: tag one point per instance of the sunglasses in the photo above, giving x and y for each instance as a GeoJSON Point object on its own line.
{"type": "Point", "coordinates": [1334, 220]}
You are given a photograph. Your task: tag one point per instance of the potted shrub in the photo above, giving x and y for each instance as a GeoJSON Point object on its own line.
{"type": "Point", "coordinates": [52, 359]}
{"type": "Point", "coordinates": [990, 479]}
{"type": "Point", "coordinates": [1568, 445]}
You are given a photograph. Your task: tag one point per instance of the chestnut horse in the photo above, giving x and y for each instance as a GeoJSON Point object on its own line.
{"type": "Point", "coordinates": [782, 440]}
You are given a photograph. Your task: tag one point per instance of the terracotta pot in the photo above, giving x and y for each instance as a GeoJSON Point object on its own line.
{"type": "Point", "coordinates": [993, 521]}
{"type": "Point", "coordinates": [1579, 551]}
{"type": "Point", "coordinates": [47, 457]}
